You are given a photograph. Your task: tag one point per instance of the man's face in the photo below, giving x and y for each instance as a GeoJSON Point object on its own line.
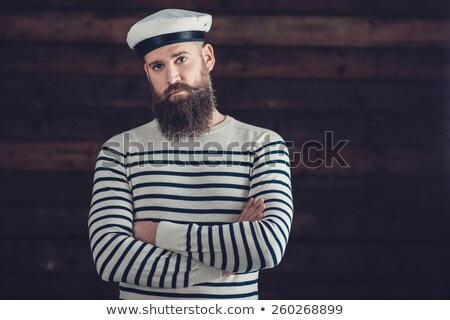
{"type": "Point", "coordinates": [182, 95]}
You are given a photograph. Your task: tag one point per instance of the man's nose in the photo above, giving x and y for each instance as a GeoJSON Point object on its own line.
{"type": "Point", "coordinates": [173, 75]}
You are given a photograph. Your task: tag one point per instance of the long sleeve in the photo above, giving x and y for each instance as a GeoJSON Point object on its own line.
{"type": "Point", "coordinates": [117, 255]}
{"type": "Point", "coordinates": [244, 246]}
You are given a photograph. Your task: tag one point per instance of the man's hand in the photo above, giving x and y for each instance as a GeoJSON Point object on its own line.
{"type": "Point", "coordinates": [145, 231]}
{"type": "Point", "coordinates": [253, 210]}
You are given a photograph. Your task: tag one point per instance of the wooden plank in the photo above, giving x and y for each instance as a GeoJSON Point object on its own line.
{"type": "Point", "coordinates": [368, 224]}
{"type": "Point", "coordinates": [272, 285]}
{"type": "Point", "coordinates": [367, 129]}
{"type": "Point", "coordinates": [284, 30]}
{"type": "Point", "coordinates": [356, 258]}
{"type": "Point", "coordinates": [393, 129]}
{"type": "Point", "coordinates": [320, 195]}
{"type": "Point", "coordinates": [266, 30]}
{"type": "Point", "coordinates": [56, 124]}
{"type": "Point", "coordinates": [81, 156]}
{"type": "Point", "coordinates": [80, 285]}
{"type": "Point", "coordinates": [60, 91]}
{"type": "Point", "coordinates": [395, 194]}
{"type": "Point", "coordinates": [45, 222]}
{"type": "Point", "coordinates": [344, 63]}
{"type": "Point", "coordinates": [76, 156]}
{"type": "Point", "coordinates": [432, 8]}
{"type": "Point", "coordinates": [294, 286]}
{"type": "Point", "coordinates": [410, 224]}
{"type": "Point", "coordinates": [49, 188]}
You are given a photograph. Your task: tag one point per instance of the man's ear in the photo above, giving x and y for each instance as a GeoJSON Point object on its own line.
{"type": "Point", "coordinates": [208, 56]}
{"type": "Point", "coordinates": [146, 71]}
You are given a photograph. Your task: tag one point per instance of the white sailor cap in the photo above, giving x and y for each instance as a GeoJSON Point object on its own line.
{"type": "Point", "coordinates": [166, 27]}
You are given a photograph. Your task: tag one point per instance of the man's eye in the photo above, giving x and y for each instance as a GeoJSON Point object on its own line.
{"type": "Point", "coordinates": [181, 59]}
{"type": "Point", "coordinates": [157, 67]}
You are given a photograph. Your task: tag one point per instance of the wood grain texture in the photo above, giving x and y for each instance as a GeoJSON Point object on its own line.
{"type": "Point", "coordinates": [369, 259]}
{"type": "Point", "coordinates": [80, 92]}
{"type": "Point", "coordinates": [432, 8]}
{"type": "Point", "coordinates": [232, 30]}
{"type": "Point", "coordinates": [60, 223]}
{"type": "Point", "coordinates": [81, 156]}
{"type": "Point", "coordinates": [372, 72]}
{"type": "Point", "coordinates": [335, 63]}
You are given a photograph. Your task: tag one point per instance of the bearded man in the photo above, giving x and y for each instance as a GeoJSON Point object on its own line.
{"type": "Point", "coordinates": [194, 203]}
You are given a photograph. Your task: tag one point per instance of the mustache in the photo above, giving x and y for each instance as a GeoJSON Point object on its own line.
{"type": "Point", "coordinates": [178, 86]}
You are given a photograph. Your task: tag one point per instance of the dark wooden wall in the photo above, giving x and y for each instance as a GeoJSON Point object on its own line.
{"type": "Point", "coordinates": [373, 72]}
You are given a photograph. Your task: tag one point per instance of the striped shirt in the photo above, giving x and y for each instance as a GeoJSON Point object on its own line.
{"type": "Point", "coordinates": [196, 189]}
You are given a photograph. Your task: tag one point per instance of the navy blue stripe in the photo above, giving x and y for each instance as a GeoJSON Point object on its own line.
{"type": "Point", "coordinates": [110, 170]}
{"type": "Point", "coordinates": [106, 226]}
{"type": "Point", "coordinates": [131, 263]}
{"type": "Point", "coordinates": [110, 160]}
{"type": "Point", "coordinates": [153, 269]}
{"type": "Point", "coordinates": [211, 247]}
{"type": "Point", "coordinates": [164, 273]}
{"type": "Point", "coordinates": [279, 200]}
{"type": "Point", "coordinates": [271, 162]}
{"type": "Point", "coordinates": [188, 238]}
{"type": "Point", "coordinates": [111, 189]}
{"type": "Point", "coordinates": [188, 269]}
{"type": "Point", "coordinates": [113, 151]}
{"type": "Point", "coordinates": [176, 151]}
{"type": "Point", "coordinates": [268, 226]}
{"type": "Point", "coordinates": [268, 244]}
{"type": "Point", "coordinates": [101, 179]}
{"type": "Point", "coordinates": [103, 236]}
{"type": "Point", "coordinates": [187, 211]}
{"type": "Point", "coordinates": [275, 191]}
{"type": "Point", "coordinates": [177, 270]}
{"type": "Point", "coordinates": [187, 295]}
{"type": "Point", "coordinates": [279, 218]}
{"type": "Point", "coordinates": [278, 226]}
{"type": "Point", "coordinates": [199, 244]}
{"type": "Point", "coordinates": [189, 198]}
{"type": "Point", "coordinates": [270, 144]}
{"type": "Point", "coordinates": [228, 284]}
{"type": "Point", "coordinates": [110, 207]}
{"type": "Point", "coordinates": [188, 163]}
{"type": "Point", "coordinates": [269, 153]}
{"type": "Point", "coordinates": [111, 198]}
{"type": "Point", "coordinates": [188, 250]}
{"type": "Point", "coordinates": [246, 247]}
{"type": "Point", "coordinates": [111, 255]}
{"type": "Point", "coordinates": [143, 264]}
{"type": "Point", "coordinates": [190, 174]}
{"type": "Point", "coordinates": [235, 248]}
{"type": "Point", "coordinates": [99, 254]}
{"type": "Point", "coordinates": [119, 261]}
{"type": "Point", "coordinates": [203, 223]}
{"type": "Point", "coordinates": [258, 247]}
{"type": "Point", "coordinates": [289, 215]}
{"type": "Point", "coordinates": [269, 172]}
{"type": "Point", "coordinates": [191, 186]}
{"type": "Point", "coordinates": [222, 248]}
{"type": "Point", "coordinates": [271, 182]}
{"type": "Point", "coordinates": [109, 216]}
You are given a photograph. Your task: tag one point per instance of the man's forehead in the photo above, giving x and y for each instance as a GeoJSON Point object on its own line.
{"type": "Point", "coordinates": [166, 52]}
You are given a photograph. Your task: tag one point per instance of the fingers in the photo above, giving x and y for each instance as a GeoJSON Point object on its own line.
{"type": "Point", "coordinates": [253, 210]}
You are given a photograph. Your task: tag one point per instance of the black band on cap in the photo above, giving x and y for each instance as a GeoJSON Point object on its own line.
{"type": "Point", "coordinates": [144, 47]}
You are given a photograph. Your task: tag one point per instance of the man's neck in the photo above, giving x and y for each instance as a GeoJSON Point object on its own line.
{"type": "Point", "coordinates": [217, 118]}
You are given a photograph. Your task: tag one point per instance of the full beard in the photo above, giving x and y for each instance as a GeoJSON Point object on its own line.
{"type": "Point", "coordinates": [187, 113]}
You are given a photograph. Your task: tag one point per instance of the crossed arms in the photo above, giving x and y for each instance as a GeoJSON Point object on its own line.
{"type": "Point", "coordinates": [172, 255]}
